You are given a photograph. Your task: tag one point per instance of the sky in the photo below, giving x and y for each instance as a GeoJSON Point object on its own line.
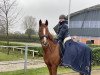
{"type": "Point", "coordinates": [50, 10]}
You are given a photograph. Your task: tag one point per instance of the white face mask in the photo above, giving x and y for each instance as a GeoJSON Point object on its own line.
{"type": "Point", "coordinates": [60, 20]}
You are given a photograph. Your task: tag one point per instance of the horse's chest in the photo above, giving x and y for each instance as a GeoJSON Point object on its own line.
{"type": "Point", "coordinates": [47, 58]}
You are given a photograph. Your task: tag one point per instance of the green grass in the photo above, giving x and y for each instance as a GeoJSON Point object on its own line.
{"type": "Point", "coordinates": [6, 57]}
{"type": "Point", "coordinates": [11, 43]}
{"type": "Point", "coordinates": [16, 55]}
{"type": "Point", "coordinates": [95, 67]}
{"type": "Point", "coordinates": [40, 71]}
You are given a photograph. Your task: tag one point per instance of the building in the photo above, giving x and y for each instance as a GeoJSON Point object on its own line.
{"type": "Point", "coordinates": [86, 24]}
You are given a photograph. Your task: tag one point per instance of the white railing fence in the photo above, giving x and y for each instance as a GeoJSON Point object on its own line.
{"type": "Point", "coordinates": [22, 49]}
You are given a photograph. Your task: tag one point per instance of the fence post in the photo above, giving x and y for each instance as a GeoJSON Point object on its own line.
{"type": "Point", "coordinates": [13, 48]}
{"type": "Point", "coordinates": [25, 63]}
{"type": "Point", "coordinates": [21, 51]}
{"type": "Point", "coordinates": [33, 53]}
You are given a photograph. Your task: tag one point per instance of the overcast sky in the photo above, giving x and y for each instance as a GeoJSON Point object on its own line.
{"type": "Point", "coordinates": [51, 9]}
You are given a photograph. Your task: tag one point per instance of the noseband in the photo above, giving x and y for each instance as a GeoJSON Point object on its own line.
{"type": "Point", "coordinates": [46, 36]}
{"type": "Point", "coordinates": [43, 36]}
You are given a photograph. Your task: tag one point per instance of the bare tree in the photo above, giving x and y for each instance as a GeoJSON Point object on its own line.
{"type": "Point", "coordinates": [2, 27]}
{"type": "Point", "coordinates": [8, 15]}
{"type": "Point", "coordinates": [29, 25]}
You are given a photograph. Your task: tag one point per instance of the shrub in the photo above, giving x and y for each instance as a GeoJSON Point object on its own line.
{"type": "Point", "coordinates": [96, 56]}
{"type": "Point", "coordinates": [39, 49]}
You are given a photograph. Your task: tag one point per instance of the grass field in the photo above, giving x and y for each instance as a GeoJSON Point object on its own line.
{"type": "Point", "coordinates": [12, 56]}
{"type": "Point", "coordinates": [5, 57]}
{"type": "Point", "coordinates": [16, 55]}
{"type": "Point", "coordinates": [40, 71]}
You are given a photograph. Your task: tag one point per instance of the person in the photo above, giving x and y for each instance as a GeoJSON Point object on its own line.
{"type": "Point", "coordinates": [75, 55]}
{"type": "Point", "coordinates": [62, 32]}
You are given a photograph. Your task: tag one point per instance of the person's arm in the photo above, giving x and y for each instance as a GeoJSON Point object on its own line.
{"type": "Point", "coordinates": [63, 30]}
{"type": "Point", "coordinates": [56, 28]}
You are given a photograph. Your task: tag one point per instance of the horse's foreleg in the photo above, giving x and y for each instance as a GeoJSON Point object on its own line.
{"type": "Point", "coordinates": [50, 70]}
{"type": "Point", "coordinates": [54, 70]}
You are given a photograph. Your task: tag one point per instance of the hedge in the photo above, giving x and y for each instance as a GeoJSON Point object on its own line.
{"type": "Point", "coordinates": [96, 56]}
{"type": "Point", "coordinates": [10, 44]}
{"type": "Point", "coordinates": [20, 38]}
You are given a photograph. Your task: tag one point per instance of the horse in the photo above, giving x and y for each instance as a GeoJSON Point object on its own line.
{"type": "Point", "coordinates": [51, 50]}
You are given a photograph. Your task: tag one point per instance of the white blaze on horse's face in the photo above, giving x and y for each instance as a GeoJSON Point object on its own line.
{"type": "Point", "coordinates": [44, 33]}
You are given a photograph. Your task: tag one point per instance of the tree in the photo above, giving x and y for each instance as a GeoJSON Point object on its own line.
{"type": "Point", "coordinates": [29, 25]}
{"type": "Point", "coordinates": [8, 15]}
{"type": "Point", "coordinates": [2, 28]}
{"type": "Point", "coordinates": [30, 32]}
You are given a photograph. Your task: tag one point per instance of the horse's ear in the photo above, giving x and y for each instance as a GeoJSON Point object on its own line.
{"type": "Point", "coordinates": [46, 23]}
{"type": "Point", "coordinates": [40, 22]}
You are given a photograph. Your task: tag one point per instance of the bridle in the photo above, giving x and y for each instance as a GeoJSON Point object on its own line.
{"type": "Point", "coordinates": [41, 37]}
{"type": "Point", "coordinates": [44, 36]}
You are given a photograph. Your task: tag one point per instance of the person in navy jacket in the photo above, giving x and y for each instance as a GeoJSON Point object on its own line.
{"type": "Point", "coordinates": [61, 30]}
{"type": "Point", "coordinates": [75, 55]}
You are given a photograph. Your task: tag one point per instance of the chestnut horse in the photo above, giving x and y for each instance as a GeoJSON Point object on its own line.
{"type": "Point", "coordinates": [51, 49]}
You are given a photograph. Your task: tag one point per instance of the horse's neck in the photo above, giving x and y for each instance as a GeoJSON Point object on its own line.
{"type": "Point", "coordinates": [52, 48]}
{"type": "Point", "coordinates": [52, 45]}
{"type": "Point", "coordinates": [51, 37]}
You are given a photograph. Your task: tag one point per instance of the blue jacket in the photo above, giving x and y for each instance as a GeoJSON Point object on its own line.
{"type": "Point", "coordinates": [61, 30]}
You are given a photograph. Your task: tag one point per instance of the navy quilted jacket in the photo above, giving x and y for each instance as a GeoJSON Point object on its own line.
{"type": "Point", "coordinates": [61, 30]}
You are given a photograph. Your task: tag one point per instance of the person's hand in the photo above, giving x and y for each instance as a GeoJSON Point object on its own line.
{"type": "Point", "coordinates": [56, 40]}
{"type": "Point", "coordinates": [59, 41]}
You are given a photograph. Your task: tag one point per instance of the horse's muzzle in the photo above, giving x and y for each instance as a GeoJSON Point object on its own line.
{"type": "Point", "coordinates": [44, 44]}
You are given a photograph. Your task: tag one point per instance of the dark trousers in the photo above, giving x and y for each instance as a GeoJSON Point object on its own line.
{"type": "Point", "coordinates": [61, 49]}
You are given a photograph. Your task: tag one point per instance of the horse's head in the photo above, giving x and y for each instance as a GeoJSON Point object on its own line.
{"type": "Point", "coordinates": [43, 32]}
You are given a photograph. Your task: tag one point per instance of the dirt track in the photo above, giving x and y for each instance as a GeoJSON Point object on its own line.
{"type": "Point", "coordinates": [18, 65]}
